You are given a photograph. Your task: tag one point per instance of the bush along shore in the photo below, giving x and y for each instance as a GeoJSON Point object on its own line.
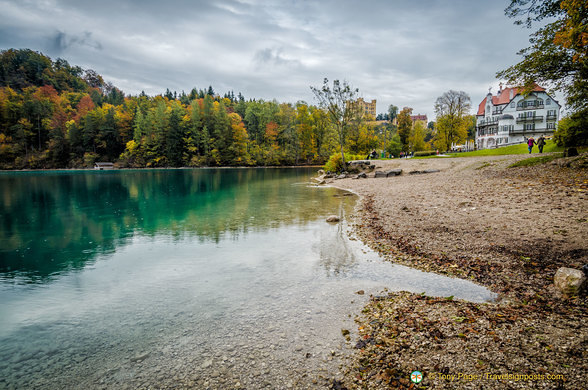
{"type": "Point", "coordinates": [508, 228]}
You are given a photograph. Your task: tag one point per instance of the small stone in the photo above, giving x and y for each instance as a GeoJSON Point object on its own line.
{"type": "Point", "coordinates": [333, 218]}
{"type": "Point", "coordinates": [360, 292]}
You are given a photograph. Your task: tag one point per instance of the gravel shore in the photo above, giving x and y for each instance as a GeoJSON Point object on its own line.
{"type": "Point", "coordinates": [509, 229]}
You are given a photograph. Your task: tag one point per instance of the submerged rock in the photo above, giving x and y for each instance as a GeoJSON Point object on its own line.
{"type": "Point", "coordinates": [333, 218]}
{"type": "Point", "coordinates": [140, 358]}
{"type": "Point", "coordinates": [569, 281]}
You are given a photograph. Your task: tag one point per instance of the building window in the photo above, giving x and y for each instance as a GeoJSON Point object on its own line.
{"type": "Point", "coordinates": [551, 125]}
{"type": "Point", "coordinates": [512, 105]}
{"type": "Point", "coordinates": [548, 101]}
{"type": "Point", "coordinates": [529, 126]}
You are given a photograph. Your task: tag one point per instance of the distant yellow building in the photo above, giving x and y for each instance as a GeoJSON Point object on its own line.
{"type": "Point", "coordinates": [369, 108]}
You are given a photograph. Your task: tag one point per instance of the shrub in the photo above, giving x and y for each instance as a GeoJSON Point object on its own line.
{"type": "Point", "coordinates": [425, 153]}
{"type": "Point", "coordinates": [336, 165]}
{"type": "Point", "coordinates": [572, 130]}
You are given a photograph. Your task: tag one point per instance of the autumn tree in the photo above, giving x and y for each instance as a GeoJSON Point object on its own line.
{"type": "Point", "coordinates": [404, 127]}
{"type": "Point", "coordinates": [417, 137]}
{"type": "Point", "coordinates": [323, 135]}
{"type": "Point", "coordinates": [557, 57]}
{"type": "Point", "coordinates": [338, 102]}
{"type": "Point", "coordinates": [239, 153]}
{"type": "Point", "coordinates": [452, 109]}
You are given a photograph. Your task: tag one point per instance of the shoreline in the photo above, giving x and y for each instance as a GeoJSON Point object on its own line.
{"type": "Point", "coordinates": [508, 229]}
{"type": "Point", "coordinates": [153, 168]}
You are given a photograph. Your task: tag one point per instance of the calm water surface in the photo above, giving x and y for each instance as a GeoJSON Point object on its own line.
{"type": "Point", "coordinates": [210, 278]}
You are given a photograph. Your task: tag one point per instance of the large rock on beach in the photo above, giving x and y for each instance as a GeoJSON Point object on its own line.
{"type": "Point", "coordinates": [388, 173]}
{"type": "Point", "coordinates": [569, 281]}
{"type": "Point", "coordinates": [424, 171]}
{"type": "Point", "coordinates": [394, 172]}
{"type": "Point", "coordinates": [358, 166]}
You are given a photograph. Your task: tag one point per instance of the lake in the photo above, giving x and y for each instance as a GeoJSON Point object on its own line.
{"type": "Point", "coordinates": [205, 278]}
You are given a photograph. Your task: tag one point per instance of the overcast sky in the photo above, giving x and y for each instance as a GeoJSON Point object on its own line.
{"type": "Point", "coordinates": [405, 53]}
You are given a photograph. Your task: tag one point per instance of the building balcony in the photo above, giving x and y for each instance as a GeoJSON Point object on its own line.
{"type": "Point", "coordinates": [526, 119]}
{"type": "Point", "coordinates": [551, 117]}
{"type": "Point", "coordinates": [530, 131]}
{"type": "Point", "coordinates": [537, 107]}
{"type": "Point", "coordinates": [487, 122]}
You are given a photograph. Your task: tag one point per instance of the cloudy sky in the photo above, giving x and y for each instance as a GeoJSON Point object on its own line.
{"type": "Point", "coordinates": [405, 53]}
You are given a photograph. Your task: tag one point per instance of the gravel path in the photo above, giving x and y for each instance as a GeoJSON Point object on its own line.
{"type": "Point", "coordinates": [509, 229]}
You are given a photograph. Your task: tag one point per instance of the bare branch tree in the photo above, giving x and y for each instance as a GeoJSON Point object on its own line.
{"type": "Point", "coordinates": [339, 103]}
{"type": "Point", "coordinates": [451, 108]}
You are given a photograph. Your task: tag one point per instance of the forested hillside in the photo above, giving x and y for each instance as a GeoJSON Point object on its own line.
{"type": "Point", "coordinates": [55, 115]}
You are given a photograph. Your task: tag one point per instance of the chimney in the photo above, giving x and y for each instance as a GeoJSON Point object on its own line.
{"type": "Point", "coordinates": [511, 94]}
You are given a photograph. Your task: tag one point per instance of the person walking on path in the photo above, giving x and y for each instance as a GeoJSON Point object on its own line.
{"type": "Point", "coordinates": [530, 143]}
{"type": "Point", "coordinates": [541, 143]}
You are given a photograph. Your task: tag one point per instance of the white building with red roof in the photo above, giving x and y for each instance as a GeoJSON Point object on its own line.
{"type": "Point", "coordinates": [511, 118]}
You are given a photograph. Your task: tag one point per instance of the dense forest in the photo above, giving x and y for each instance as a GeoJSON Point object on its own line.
{"type": "Point", "coordinates": [55, 115]}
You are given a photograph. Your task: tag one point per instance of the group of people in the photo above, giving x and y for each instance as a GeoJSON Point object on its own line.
{"type": "Point", "coordinates": [540, 144]}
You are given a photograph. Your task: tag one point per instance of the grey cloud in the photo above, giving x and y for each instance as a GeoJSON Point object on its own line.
{"type": "Point", "coordinates": [60, 42]}
{"type": "Point", "coordinates": [398, 52]}
{"type": "Point", "coordinates": [273, 57]}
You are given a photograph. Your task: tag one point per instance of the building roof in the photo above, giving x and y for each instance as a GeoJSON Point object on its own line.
{"type": "Point", "coordinates": [504, 97]}
{"type": "Point", "coordinates": [418, 117]}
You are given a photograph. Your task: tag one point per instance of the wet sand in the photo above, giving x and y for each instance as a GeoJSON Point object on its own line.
{"type": "Point", "coordinates": [509, 229]}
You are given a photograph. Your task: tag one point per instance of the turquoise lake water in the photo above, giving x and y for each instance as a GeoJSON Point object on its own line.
{"type": "Point", "coordinates": [206, 278]}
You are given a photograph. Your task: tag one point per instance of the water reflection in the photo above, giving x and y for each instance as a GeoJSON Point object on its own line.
{"type": "Point", "coordinates": [334, 249]}
{"type": "Point", "coordinates": [59, 221]}
{"type": "Point", "coordinates": [207, 275]}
